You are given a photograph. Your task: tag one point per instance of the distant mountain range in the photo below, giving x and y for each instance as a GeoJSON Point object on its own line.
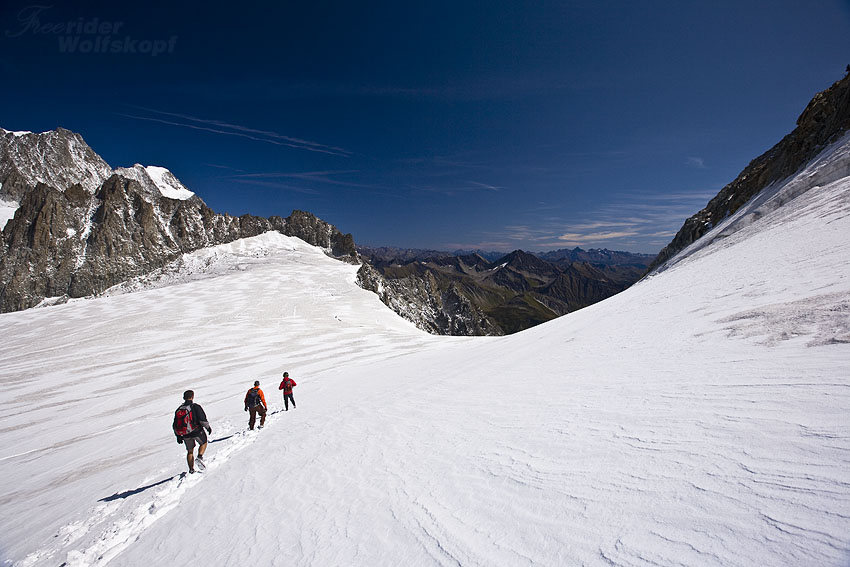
{"type": "Point", "coordinates": [481, 293]}
{"type": "Point", "coordinates": [563, 255]}
{"type": "Point", "coordinates": [477, 292]}
{"type": "Point", "coordinates": [72, 226]}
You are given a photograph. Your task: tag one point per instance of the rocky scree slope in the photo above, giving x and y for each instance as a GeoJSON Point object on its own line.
{"type": "Point", "coordinates": [79, 227]}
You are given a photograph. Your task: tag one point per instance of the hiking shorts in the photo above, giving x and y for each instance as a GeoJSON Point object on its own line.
{"type": "Point", "coordinates": [191, 440]}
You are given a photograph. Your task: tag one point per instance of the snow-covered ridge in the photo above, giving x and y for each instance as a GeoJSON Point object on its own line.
{"type": "Point", "coordinates": [17, 133]}
{"type": "Point", "coordinates": [169, 185]}
{"type": "Point", "coordinates": [61, 158]}
{"type": "Point", "coordinates": [832, 164]}
{"type": "Point", "coordinates": [212, 262]}
{"type": "Point", "coordinates": [157, 180]}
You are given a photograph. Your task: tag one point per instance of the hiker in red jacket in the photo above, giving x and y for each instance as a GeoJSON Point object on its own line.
{"type": "Point", "coordinates": [255, 402]}
{"type": "Point", "coordinates": [286, 385]}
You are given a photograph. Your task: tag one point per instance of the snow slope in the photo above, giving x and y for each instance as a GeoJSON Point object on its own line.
{"type": "Point", "coordinates": [699, 418]}
{"type": "Point", "coordinates": [157, 180]}
{"type": "Point", "coordinates": [168, 185]}
{"type": "Point", "coordinates": [7, 212]}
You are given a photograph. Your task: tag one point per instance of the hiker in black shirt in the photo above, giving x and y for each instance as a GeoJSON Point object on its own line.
{"type": "Point", "coordinates": [190, 421]}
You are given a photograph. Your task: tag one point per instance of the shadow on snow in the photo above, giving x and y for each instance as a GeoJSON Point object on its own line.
{"type": "Point", "coordinates": [128, 493]}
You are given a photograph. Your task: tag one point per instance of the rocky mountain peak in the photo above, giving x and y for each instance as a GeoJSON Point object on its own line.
{"type": "Point", "coordinates": [475, 261]}
{"type": "Point", "coordinates": [73, 227]}
{"type": "Point", "coordinates": [157, 181]}
{"type": "Point", "coordinates": [525, 262]}
{"type": "Point", "coordinates": [58, 158]}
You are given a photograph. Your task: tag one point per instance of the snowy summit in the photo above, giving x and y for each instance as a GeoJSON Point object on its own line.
{"type": "Point", "coordinates": [168, 185]}
{"type": "Point", "coordinates": [156, 179]}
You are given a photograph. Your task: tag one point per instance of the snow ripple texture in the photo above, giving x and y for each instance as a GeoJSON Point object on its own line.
{"type": "Point", "coordinates": [699, 418]}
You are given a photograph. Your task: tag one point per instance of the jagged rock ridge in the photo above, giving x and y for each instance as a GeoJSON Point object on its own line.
{"type": "Point", "coordinates": [81, 228]}
{"type": "Point", "coordinates": [60, 158]}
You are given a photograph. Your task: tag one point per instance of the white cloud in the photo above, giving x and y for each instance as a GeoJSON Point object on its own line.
{"type": "Point", "coordinates": [636, 221]}
{"type": "Point", "coordinates": [486, 186]}
{"type": "Point", "coordinates": [595, 236]}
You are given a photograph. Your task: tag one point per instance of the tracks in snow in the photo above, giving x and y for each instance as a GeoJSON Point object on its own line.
{"type": "Point", "coordinates": [121, 518]}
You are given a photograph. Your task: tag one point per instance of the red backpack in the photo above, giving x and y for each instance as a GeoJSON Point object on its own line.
{"type": "Point", "coordinates": [184, 421]}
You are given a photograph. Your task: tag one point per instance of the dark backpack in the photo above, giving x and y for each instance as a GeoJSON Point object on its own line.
{"type": "Point", "coordinates": [253, 398]}
{"type": "Point", "coordinates": [184, 421]}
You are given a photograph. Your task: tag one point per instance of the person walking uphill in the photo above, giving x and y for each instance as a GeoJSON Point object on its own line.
{"type": "Point", "coordinates": [190, 421]}
{"type": "Point", "coordinates": [255, 402]}
{"type": "Point", "coordinates": [286, 385]}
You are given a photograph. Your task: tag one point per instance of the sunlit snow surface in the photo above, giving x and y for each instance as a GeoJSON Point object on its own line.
{"type": "Point", "coordinates": [168, 185]}
{"type": "Point", "coordinates": [699, 418]}
{"type": "Point", "coordinates": [156, 180]}
{"type": "Point", "coordinates": [7, 211]}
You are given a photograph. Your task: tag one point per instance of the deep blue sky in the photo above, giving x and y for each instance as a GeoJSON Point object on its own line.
{"type": "Point", "coordinates": [495, 125]}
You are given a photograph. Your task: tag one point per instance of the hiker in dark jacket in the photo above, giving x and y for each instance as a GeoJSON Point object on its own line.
{"type": "Point", "coordinates": [255, 402]}
{"type": "Point", "coordinates": [286, 385]}
{"type": "Point", "coordinates": [190, 423]}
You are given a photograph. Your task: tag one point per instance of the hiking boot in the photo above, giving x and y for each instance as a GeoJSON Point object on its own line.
{"type": "Point", "coordinates": [191, 471]}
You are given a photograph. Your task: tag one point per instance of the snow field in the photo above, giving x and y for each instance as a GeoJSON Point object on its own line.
{"type": "Point", "coordinates": [699, 418]}
{"type": "Point", "coordinates": [88, 387]}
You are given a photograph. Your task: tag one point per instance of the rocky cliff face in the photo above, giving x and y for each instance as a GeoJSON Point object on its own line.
{"type": "Point", "coordinates": [435, 306]}
{"type": "Point", "coordinates": [317, 232]}
{"type": "Point", "coordinates": [825, 119]}
{"type": "Point", "coordinates": [59, 158]}
{"type": "Point", "coordinates": [81, 228]}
